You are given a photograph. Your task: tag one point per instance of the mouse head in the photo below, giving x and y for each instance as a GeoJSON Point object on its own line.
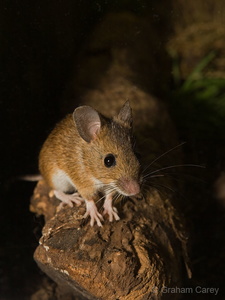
{"type": "Point", "coordinates": [108, 149]}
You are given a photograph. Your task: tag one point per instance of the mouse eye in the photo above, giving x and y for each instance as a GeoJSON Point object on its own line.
{"type": "Point", "coordinates": [109, 160]}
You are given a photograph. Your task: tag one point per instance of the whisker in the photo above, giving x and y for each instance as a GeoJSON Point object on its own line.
{"type": "Point", "coordinates": [174, 166]}
{"type": "Point", "coordinates": [146, 187]}
{"type": "Point", "coordinates": [115, 197]}
{"type": "Point", "coordinates": [164, 186]}
{"type": "Point", "coordinates": [181, 144]}
{"type": "Point", "coordinates": [100, 199]}
{"type": "Point", "coordinates": [110, 188]}
{"type": "Point", "coordinates": [118, 196]}
{"type": "Point", "coordinates": [174, 191]}
{"type": "Point", "coordinates": [173, 176]}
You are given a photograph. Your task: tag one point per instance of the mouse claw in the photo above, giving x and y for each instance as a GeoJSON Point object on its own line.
{"type": "Point", "coordinates": [112, 213]}
{"type": "Point", "coordinates": [92, 211]}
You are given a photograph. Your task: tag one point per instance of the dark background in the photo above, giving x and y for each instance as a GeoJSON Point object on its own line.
{"type": "Point", "coordinates": [41, 45]}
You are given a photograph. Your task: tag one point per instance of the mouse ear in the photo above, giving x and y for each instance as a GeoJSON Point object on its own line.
{"type": "Point", "coordinates": [87, 121]}
{"type": "Point", "coordinates": [125, 114]}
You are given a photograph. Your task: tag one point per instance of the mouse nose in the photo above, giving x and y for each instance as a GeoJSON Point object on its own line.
{"type": "Point", "coordinates": [130, 186]}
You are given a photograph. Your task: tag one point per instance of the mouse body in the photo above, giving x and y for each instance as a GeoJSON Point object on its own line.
{"type": "Point", "coordinates": [88, 153]}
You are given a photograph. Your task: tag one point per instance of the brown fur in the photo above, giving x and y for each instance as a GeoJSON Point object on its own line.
{"type": "Point", "coordinates": [82, 161]}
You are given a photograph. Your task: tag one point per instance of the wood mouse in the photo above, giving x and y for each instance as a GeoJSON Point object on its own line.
{"type": "Point", "coordinates": [87, 153]}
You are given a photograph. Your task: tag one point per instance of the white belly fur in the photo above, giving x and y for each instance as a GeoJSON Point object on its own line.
{"type": "Point", "coordinates": [62, 182]}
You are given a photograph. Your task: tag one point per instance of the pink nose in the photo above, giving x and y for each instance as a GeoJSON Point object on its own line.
{"type": "Point", "coordinates": [130, 186]}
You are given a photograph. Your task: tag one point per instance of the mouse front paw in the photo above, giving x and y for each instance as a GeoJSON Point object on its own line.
{"type": "Point", "coordinates": [112, 213]}
{"type": "Point", "coordinates": [110, 210]}
{"type": "Point", "coordinates": [92, 211]}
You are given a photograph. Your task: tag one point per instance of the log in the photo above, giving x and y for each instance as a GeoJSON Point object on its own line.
{"type": "Point", "coordinates": [146, 250]}
{"type": "Point", "coordinates": [133, 258]}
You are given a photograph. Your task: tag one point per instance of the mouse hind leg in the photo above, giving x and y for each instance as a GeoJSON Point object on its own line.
{"type": "Point", "coordinates": [68, 199]}
{"type": "Point", "coordinates": [65, 190]}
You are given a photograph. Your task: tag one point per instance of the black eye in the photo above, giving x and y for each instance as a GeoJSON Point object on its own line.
{"type": "Point", "coordinates": [109, 160]}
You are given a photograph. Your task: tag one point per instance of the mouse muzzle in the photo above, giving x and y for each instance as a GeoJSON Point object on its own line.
{"type": "Point", "coordinates": [128, 186]}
